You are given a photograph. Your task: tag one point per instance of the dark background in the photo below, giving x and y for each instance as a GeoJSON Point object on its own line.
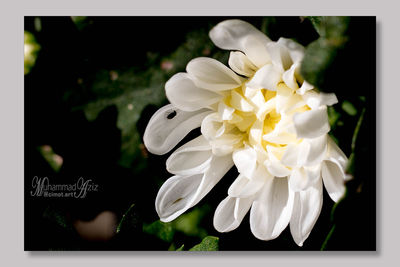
{"type": "Point", "coordinates": [71, 57]}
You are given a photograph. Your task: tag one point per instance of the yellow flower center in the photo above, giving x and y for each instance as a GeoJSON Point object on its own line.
{"type": "Point", "coordinates": [251, 115]}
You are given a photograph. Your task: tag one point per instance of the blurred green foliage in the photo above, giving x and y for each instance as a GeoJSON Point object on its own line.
{"type": "Point", "coordinates": [55, 161]}
{"type": "Point", "coordinates": [342, 61]}
{"type": "Point", "coordinates": [187, 223]}
{"type": "Point", "coordinates": [349, 108]}
{"type": "Point", "coordinates": [324, 67]}
{"type": "Point", "coordinates": [131, 90]}
{"type": "Point", "coordinates": [320, 55]}
{"type": "Point", "coordinates": [81, 22]}
{"type": "Point", "coordinates": [31, 50]}
{"type": "Point", "coordinates": [180, 248]}
{"type": "Point", "coordinates": [350, 171]}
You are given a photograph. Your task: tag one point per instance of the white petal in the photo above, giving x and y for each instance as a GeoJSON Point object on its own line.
{"type": "Point", "coordinates": [271, 211]}
{"type": "Point", "coordinates": [267, 77]}
{"type": "Point", "coordinates": [328, 99]}
{"type": "Point", "coordinates": [285, 125]}
{"type": "Point", "coordinates": [236, 187]}
{"type": "Point", "coordinates": [212, 126]}
{"type": "Point", "coordinates": [240, 64]}
{"type": "Point", "coordinates": [293, 156]}
{"type": "Point", "coordinates": [283, 94]}
{"type": "Point", "coordinates": [185, 95]}
{"type": "Point", "coordinates": [262, 155]}
{"type": "Point", "coordinates": [213, 75]}
{"type": "Point", "coordinates": [304, 88]}
{"type": "Point", "coordinates": [313, 173]}
{"type": "Point", "coordinates": [255, 133]}
{"type": "Point", "coordinates": [256, 50]}
{"type": "Point", "coordinates": [293, 103]}
{"type": "Point", "coordinates": [298, 180]}
{"type": "Point", "coordinates": [245, 160]}
{"type": "Point", "coordinates": [333, 178]}
{"type": "Point", "coordinates": [296, 51]}
{"type": "Point", "coordinates": [230, 213]}
{"type": "Point", "coordinates": [311, 123]}
{"type": "Point", "coordinates": [306, 209]}
{"type": "Point", "coordinates": [179, 193]}
{"type": "Point", "coordinates": [168, 126]}
{"type": "Point", "coordinates": [193, 157]}
{"type": "Point", "coordinates": [240, 103]}
{"type": "Point", "coordinates": [257, 99]}
{"type": "Point", "coordinates": [274, 152]}
{"type": "Point", "coordinates": [280, 138]}
{"type": "Point", "coordinates": [244, 187]}
{"type": "Point", "coordinates": [309, 152]}
{"type": "Point", "coordinates": [276, 168]}
{"type": "Point", "coordinates": [302, 178]}
{"type": "Point", "coordinates": [225, 144]}
{"type": "Point", "coordinates": [317, 151]}
{"type": "Point", "coordinates": [280, 56]}
{"type": "Point", "coordinates": [289, 77]}
{"type": "Point", "coordinates": [336, 155]}
{"type": "Point", "coordinates": [315, 100]}
{"type": "Point", "coordinates": [239, 35]}
{"type": "Point", "coordinates": [225, 112]}
{"type": "Point", "coordinates": [175, 195]}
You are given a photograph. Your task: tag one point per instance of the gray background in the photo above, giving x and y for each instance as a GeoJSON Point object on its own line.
{"type": "Point", "coordinates": [12, 131]}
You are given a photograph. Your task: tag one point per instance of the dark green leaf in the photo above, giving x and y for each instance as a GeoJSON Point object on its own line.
{"type": "Point", "coordinates": [335, 27]}
{"type": "Point", "coordinates": [209, 243]}
{"type": "Point", "coordinates": [318, 58]}
{"type": "Point", "coordinates": [266, 24]}
{"type": "Point", "coordinates": [320, 55]}
{"type": "Point", "coordinates": [129, 92]}
{"type": "Point", "coordinates": [189, 223]}
{"type": "Point", "coordinates": [163, 231]}
{"type": "Point", "coordinates": [330, 26]}
{"type": "Point", "coordinates": [132, 90]}
{"type": "Point", "coordinates": [317, 23]}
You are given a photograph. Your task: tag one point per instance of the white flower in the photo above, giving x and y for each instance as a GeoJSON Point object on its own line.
{"type": "Point", "coordinates": [258, 115]}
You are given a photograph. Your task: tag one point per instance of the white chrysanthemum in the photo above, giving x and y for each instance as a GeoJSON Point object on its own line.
{"type": "Point", "coordinates": [258, 115]}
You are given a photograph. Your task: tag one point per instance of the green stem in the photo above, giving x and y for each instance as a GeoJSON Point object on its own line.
{"type": "Point", "coordinates": [123, 218]}
{"type": "Point", "coordinates": [350, 165]}
{"type": "Point", "coordinates": [323, 247]}
{"type": "Point", "coordinates": [356, 130]}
